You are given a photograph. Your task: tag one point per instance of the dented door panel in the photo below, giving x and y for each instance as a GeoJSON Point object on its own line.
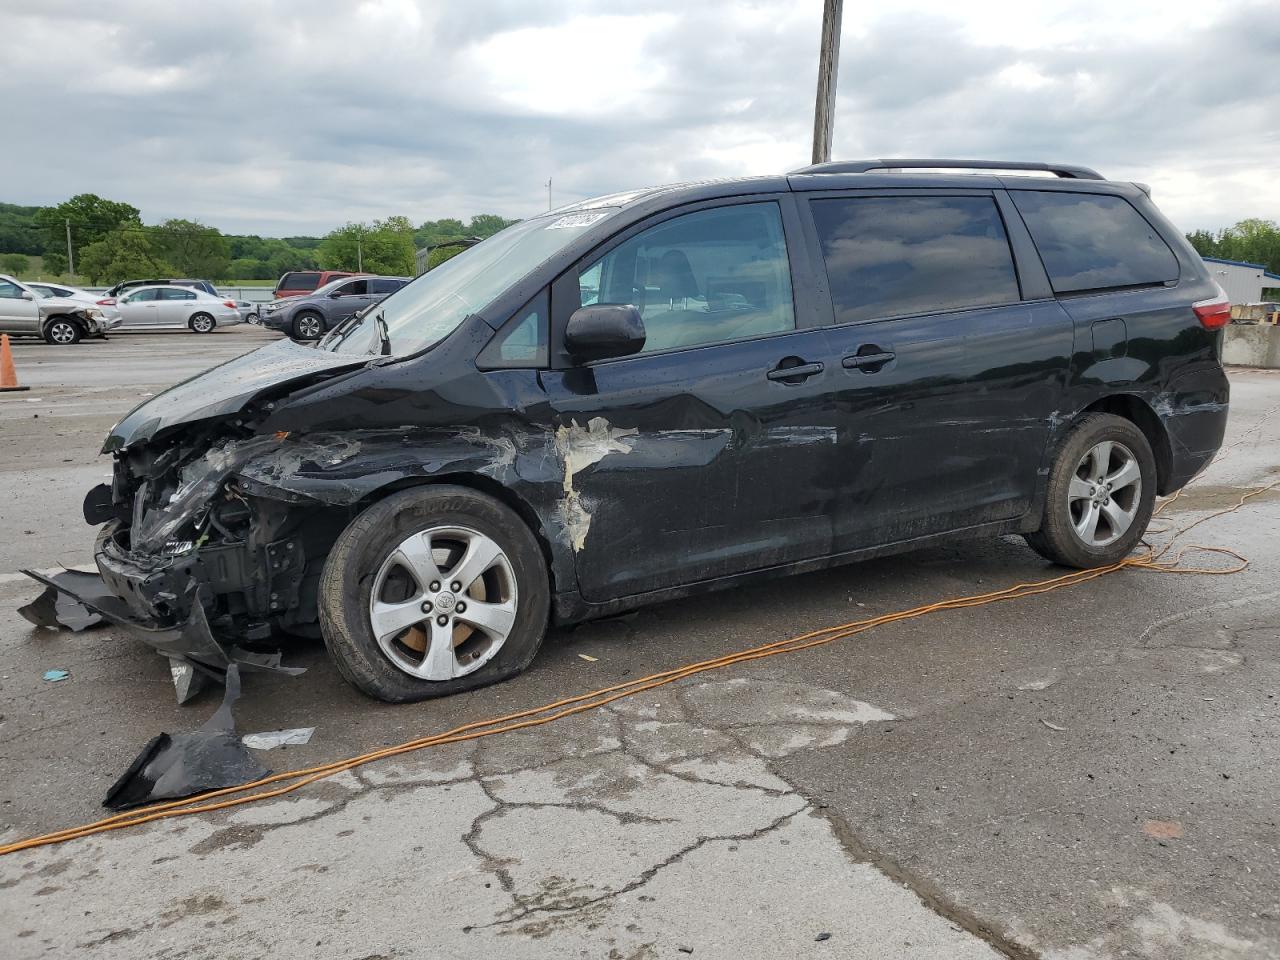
{"type": "Point", "coordinates": [694, 464]}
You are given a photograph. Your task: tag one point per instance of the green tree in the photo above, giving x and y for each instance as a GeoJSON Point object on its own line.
{"type": "Point", "coordinates": [14, 263]}
{"type": "Point", "coordinates": [377, 247]}
{"type": "Point", "coordinates": [194, 249]}
{"type": "Point", "coordinates": [124, 254]}
{"type": "Point", "coordinates": [487, 224]}
{"type": "Point", "coordinates": [55, 264]}
{"type": "Point", "coordinates": [91, 218]}
{"type": "Point", "coordinates": [1252, 240]}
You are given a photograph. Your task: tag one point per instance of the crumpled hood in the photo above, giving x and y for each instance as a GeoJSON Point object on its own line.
{"type": "Point", "coordinates": [49, 306]}
{"type": "Point", "coordinates": [227, 388]}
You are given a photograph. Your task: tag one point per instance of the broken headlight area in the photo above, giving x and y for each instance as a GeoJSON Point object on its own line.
{"type": "Point", "coordinates": [201, 563]}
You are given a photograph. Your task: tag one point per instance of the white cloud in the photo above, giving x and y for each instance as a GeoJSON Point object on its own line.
{"type": "Point", "coordinates": [280, 118]}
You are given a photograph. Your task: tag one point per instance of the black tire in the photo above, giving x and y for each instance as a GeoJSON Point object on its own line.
{"type": "Point", "coordinates": [302, 326]}
{"type": "Point", "coordinates": [1057, 539]}
{"type": "Point", "coordinates": [62, 332]}
{"type": "Point", "coordinates": [347, 579]}
{"type": "Point", "coordinates": [202, 323]}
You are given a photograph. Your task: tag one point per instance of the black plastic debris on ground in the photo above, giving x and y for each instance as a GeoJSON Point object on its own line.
{"type": "Point", "coordinates": [56, 608]}
{"type": "Point", "coordinates": [73, 597]}
{"type": "Point", "coordinates": [185, 764]}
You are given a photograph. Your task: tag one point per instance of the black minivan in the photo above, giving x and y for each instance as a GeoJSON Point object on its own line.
{"type": "Point", "coordinates": [668, 391]}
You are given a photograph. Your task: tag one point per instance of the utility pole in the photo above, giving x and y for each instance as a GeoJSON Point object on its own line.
{"type": "Point", "coordinates": [549, 207]}
{"type": "Point", "coordinates": [828, 66]}
{"type": "Point", "coordinates": [359, 254]}
{"type": "Point", "coordinates": [71, 261]}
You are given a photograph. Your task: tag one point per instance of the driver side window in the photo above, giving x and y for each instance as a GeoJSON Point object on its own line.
{"type": "Point", "coordinates": [707, 277]}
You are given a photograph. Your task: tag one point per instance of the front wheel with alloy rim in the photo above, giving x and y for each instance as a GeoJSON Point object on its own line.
{"type": "Point", "coordinates": [1101, 491]}
{"type": "Point", "coordinates": [202, 323]}
{"type": "Point", "coordinates": [62, 331]}
{"type": "Point", "coordinates": [431, 592]}
{"type": "Point", "coordinates": [308, 326]}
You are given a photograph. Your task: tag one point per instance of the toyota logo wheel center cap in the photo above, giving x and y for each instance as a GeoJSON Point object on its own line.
{"type": "Point", "coordinates": [445, 602]}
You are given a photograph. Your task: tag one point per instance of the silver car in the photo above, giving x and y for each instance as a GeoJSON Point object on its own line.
{"type": "Point", "coordinates": [111, 316]}
{"type": "Point", "coordinates": [174, 308]}
{"type": "Point", "coordinates": [58, 320]}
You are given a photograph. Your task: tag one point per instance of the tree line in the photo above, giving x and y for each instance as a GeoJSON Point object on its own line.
{"type": "Point", "coordinates": [1253, 241]}
{"type": "Point", "coordinates": [110, 242]}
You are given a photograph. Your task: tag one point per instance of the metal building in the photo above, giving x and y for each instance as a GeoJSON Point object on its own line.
{"type": "Point", "coordinates": [1243, 282]}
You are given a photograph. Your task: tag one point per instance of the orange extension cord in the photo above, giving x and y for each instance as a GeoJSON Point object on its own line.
{"type": "Point", "coordinates": [1152, 559]}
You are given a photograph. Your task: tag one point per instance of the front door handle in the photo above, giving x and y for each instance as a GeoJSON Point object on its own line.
{"type": "Point", "coordinates": [868, 362]}
{"type": "Point", "coordinates": [793, 370]}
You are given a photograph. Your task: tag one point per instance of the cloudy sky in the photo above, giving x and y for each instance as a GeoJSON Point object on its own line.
{"type": "Point", "coordinates": [280, 118]}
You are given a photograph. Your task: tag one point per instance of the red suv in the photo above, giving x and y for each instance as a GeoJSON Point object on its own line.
{"type": "Point", "coordinates": [297, 282]}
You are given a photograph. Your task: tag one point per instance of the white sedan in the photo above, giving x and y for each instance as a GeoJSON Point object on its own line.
{"type": "Point", "coordinates": [174, 308]}
{"type": "Point", "coordinates": [110, 317]}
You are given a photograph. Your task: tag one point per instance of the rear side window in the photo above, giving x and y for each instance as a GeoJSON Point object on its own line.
{"type": "Point", "coordinates": [300, 281]}
{"type": "Point", "coordinates": [378, 287]}
{"type": "Point", "coordinates": [1091, 241]}
{"type": "Point", "coordinates": [176, 293]}
{"type": "Point", "coordinates": [899, 256]}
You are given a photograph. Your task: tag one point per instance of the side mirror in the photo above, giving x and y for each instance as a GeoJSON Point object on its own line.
{"type": "Point", "coordinates": [28, 295]}
{"type": "Point", "coordinates": [334, 294]}
{"type": "Point", "coordinates": [604, 330]}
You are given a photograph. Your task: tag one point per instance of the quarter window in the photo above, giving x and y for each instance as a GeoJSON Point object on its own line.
{"type": "Point", "coordinates": [899, 256]}
{"type": "Point", "coordinates": [1091, 241]}
{"type": "Point", "coordinates": [705, 277]}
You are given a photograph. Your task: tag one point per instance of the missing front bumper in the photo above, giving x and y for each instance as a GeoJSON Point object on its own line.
{"type": "Point", "coordinates": [192, 644]}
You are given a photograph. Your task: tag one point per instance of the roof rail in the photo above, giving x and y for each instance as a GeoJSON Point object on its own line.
{"type": "Point", "coordinates": [1066, 171]}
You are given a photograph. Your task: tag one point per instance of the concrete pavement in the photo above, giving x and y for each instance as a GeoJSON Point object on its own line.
{"type": "Point", "coordinates": [1086, 774]}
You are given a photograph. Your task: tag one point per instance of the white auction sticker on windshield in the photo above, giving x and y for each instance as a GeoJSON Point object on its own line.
{"type": "Point", "coordinates": [579, 219]}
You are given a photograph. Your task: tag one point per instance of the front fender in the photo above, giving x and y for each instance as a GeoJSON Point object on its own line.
{"type": "Point", "coordinates": [353, 468]}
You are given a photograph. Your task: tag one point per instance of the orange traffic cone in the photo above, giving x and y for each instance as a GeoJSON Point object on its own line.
{"type": "Point", "coordinates": [8, 375]}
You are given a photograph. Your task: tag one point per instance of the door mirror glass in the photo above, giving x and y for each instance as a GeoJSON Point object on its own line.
{"type": "Point", "coordinates": [604, 330]}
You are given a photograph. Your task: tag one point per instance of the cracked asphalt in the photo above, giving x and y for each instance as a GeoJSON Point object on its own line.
{"type": "Point", "coordinates": [1086, 774]}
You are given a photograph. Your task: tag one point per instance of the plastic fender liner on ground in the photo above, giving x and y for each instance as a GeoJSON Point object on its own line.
{"type": "Point", "coordinates": [289, 781]}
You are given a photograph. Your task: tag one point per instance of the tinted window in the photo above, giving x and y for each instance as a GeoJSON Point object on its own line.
{"type": "Point", "coordinates": [380, 287]}
{"type": "Point", "coordinates": [897, 256]}
{"type": "Point", "coordinates": [10, 291]}
{"type": "Point", "coordinates": [300, 281]}
{"type": "Point", "coordinates": [1089, 241]}
{"type": "Point", "coordinates": [176, 293]}
{"type": "Point", "coordinates": [356, 288]}
{"type": "Point", "coordinates": [706, 277]}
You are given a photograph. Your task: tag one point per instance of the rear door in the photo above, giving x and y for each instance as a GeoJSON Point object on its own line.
{"type": "Point", "coordinates": [174, 306]}
{"type": "Point", "coordinates": [17, 313]}
{"type": "Point", "coordinates": [705, 454]}
{"type": "Point", "coordinates": [949, 372]}
{"type": "Point", "coordinates": [139, 308]}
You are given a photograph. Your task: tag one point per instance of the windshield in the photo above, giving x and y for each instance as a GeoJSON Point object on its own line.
{"type": "Point", "coordinates": [429, 308]}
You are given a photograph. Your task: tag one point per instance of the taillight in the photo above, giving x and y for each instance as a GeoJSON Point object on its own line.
{"type": "Point", "coordinates": [229, 303]}
{"type": "Point", "coordinates": [108, 302]}
{"type": "Point", "coordinates": [1213, 314]}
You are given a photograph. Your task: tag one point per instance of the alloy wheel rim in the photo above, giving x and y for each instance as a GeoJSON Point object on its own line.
{"type": "Point", "coordinates": [62, 333]}
{"type": "Point", "coordinates": [202, 324]}
{"type": "Point", "coordinates": [309, 326]}
{"type": "Point", "coordinates": [443, 603]}
{"type": "Point", "coordinates": [1104, 494]}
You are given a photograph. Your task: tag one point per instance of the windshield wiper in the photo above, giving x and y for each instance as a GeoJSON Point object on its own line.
{"type": "Point", "coordinates": [384, 336]}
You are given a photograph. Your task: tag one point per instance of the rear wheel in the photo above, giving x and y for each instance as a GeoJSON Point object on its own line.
{"type": "Point", "coordinates": [62, 331]}
{"type": "Point", "coordinates": [308, 325]}
{"type": "Point", "coordinates": [201, 323]}
{"type": "Point", "coordinates": [432, 592]}
{"type": "Point", "coordinates": [1102, 488]}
